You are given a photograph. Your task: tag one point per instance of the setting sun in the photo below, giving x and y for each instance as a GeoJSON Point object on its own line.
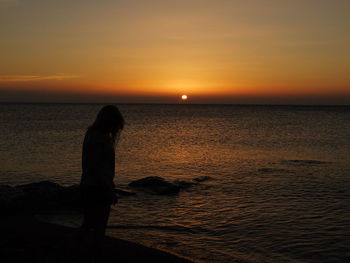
{"type": "Point", "coordinates": [184, 97]}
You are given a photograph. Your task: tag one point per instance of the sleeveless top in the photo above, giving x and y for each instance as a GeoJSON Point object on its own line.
{"type": "Point", "coordinates": [98, 161]}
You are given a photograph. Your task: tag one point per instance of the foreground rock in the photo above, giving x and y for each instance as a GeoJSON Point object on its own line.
{"type": "Point", "coordinates": [24, 239]}
{"type": "Point", "coordinates": [34, 197]}
{"type": "Point", "coordinates": [156, 185]}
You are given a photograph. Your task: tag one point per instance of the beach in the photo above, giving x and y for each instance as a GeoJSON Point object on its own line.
{"type": "Point", "coordinates": [26, 239]}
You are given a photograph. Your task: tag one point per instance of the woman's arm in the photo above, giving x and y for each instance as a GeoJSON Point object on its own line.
{"type": "Point", "coordinates": [101, 159]}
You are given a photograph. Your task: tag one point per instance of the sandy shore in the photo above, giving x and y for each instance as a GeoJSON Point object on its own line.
{"type": "Point", "coordinates": [25, 239]}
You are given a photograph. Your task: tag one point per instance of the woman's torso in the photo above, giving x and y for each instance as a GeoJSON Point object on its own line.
{"type": "Point", "coordinates": [98, 160]}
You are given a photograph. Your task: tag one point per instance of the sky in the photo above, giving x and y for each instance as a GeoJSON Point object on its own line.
{"type": "Point", "coordinates": [153, 51]}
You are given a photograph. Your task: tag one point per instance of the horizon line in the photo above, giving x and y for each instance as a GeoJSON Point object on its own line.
{"type": "Point", "coordinates": [179, 103]}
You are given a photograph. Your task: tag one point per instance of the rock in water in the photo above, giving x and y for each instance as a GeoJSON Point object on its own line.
{"type": "Point", "coordinates": [156, 185]}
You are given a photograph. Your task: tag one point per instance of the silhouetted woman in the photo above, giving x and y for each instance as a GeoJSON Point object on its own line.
{"type": "Point", "coordinates": [98, 165]}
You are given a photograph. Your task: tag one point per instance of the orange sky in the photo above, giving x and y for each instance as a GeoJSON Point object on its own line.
{"type": "Point", "coordinates": [219, 49]}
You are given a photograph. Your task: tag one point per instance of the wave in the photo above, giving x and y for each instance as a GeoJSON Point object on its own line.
{"type": "Point", "coordinates": [273, 170]}
{"type": "Point", "coordinates": [174, 228]}
{"type": "Point", "coordinates": [305, 162]}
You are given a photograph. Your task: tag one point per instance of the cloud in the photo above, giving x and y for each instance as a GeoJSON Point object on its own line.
{"type": "Point", "coordinates": [28, 78]}
{"type": "Point", "coordinates": [9, 1]}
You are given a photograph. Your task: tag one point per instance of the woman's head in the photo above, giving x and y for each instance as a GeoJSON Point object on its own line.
{"type": "Point", "coordinates": [109, 120]}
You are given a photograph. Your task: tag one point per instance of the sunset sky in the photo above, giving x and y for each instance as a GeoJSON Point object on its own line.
{"type": "Point", "coordinates": [215, 51]}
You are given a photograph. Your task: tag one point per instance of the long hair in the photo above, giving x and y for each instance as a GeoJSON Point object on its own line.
{"type": "Point", "coordinates": [110, 121]}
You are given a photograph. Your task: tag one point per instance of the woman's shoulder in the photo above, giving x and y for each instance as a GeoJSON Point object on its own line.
{"type": "Point", "coordinates": [94, 136]}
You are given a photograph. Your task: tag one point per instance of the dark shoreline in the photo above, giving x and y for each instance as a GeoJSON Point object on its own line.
{"type": "Point", "coordinates": [26, 239]}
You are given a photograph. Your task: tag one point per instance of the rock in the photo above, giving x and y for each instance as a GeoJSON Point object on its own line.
{"type": "Point", "coordinates": [156, 185]}
{"type": "Point", "coordinates": [5, 188]}
{"type": "Point", "coordinates": [39, 196]}
{"type": "Point", "coordinates": [44, 190]}
{"type": "Point", "coordinates": [39, 186]}
{"type": "Point", "coordinates": [70, 197]}
{"type": "Point", "coordinates": [11, 200]}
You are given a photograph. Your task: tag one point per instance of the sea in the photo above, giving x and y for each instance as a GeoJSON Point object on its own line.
{"type": "Point", "coordinates": [272, 182]}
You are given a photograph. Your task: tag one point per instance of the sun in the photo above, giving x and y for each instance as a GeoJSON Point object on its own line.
{"type": "Point", "coordinates": [184, 97]}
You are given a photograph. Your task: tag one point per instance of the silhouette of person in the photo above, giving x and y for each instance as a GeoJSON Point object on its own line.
{"type": "Point", "coordinates": [98, 169]}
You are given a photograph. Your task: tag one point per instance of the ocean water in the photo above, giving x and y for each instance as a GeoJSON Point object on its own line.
{"type": "Point", "coordinates": [278, 187]}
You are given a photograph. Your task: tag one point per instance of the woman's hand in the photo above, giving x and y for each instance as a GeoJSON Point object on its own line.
{"type": "Point", "coordinates": [113, 197]}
